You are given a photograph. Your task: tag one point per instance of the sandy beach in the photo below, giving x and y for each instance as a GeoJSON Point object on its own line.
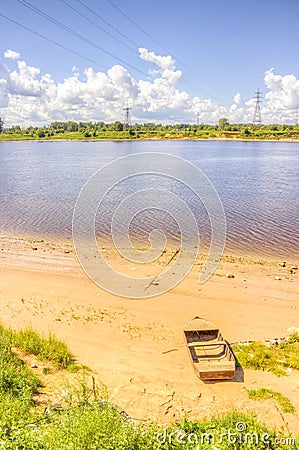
{"type": "Point", "coordinates": [136, 347]}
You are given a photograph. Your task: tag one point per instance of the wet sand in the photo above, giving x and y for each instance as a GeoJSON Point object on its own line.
{"type": "Point", "coordinates": [136, 347]}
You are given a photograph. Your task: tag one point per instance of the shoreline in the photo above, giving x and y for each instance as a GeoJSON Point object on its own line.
{"type": "Point", "coordinates": [153, 139]}
{"type": "Point", "coordinates": [67, 241]}
{"type": "Point", "coordinates": [136, 347]}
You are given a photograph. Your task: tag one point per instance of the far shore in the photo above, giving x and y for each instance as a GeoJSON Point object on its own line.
{"type": "Point", "coordinates": [136, 347]}
{"type": "Point", "coordinates": [150, 139]}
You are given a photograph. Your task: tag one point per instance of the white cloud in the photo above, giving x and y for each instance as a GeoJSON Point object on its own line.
{"type": "Point", "coordinates": [164, 62]}
{"type": "Point", "coordinates": [161, 95]}
{"type": "Point", "coordinates": [11, 54]}
{"type": "Point", "coordinates": [28, 97]}
{"type": "Point", "coordinates": [166, 65]}
{"type": "Point", "coordinates": [124, 84]}
{"type": "Point", "coordinates": [237, 98]}
{"type": "Point", "coordinates": [24, 81]}
{"type": "Point", "coordinates": [283, 90]}
{"type": "Point", "coordinates": [3, 94]}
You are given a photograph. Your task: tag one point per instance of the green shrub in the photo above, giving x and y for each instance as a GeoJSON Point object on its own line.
{"type": "Point", "coordinates": [50, 348]}
{"type": "Point", "coordinates": [17, 384]}
{"type": "Point", "coordinates": [264, 394]}
{"type": "Point", "coordinates": [275, 359]}
{"type": "Point", "coordinates": [100, 426]}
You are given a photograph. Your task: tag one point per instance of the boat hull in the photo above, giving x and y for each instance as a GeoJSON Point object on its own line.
{"type": "Point", "coordinates": [210, 354]}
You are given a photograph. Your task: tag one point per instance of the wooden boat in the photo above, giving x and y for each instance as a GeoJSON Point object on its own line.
{"type": "Point", "coordinates": [210, 354]}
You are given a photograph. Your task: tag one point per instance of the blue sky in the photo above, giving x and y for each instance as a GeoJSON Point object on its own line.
{"type": "Point", "coordinates": [223, 49]}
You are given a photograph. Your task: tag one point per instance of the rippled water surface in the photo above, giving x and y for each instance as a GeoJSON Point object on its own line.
{"type": "Point", "coordinates": [258, 183]}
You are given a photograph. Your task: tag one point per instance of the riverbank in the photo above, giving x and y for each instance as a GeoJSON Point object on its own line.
{"type": "Point", "coordinates": [154, 138]}
{"type": "Point", "coordinates": [136, 347]}
{"type": "Point", "coordinates": [93, 131]}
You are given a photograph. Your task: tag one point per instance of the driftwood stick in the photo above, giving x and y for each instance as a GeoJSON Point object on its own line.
{"type": "Point", "coordinates": [173, 256]}
{"type": "Point", "coordinates": [168, 351]}
{"type": "Point", "coordinates": [157, 276]}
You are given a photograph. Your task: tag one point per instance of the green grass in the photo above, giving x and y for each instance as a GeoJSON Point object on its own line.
{"type": "Point", "coordinates": [45, 348]}
{"type": "Point", "coordinates": [88, 421]}
{"type": "Point", "coordinates": [99, 425]}
{"type": "Point", "coordinates": [17, 384]}
{"type": "Point", "coordinates": [139, 131]}
{"type": "Point", "coordinates": [264, 394]}
{"type": "Point", "coordinates": [276, 359]}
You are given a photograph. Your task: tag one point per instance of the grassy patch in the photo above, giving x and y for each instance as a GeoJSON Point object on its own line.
{"type": "Point", "coordinates": [17, 384]}
{"type": "Point", "coordinates": [45, 348]}
{"type": "Point", "coordinates": [99, 425]}
{"type": "Point", "coordinates": [276, 359]}
{"type": "Point", "coordinates": [85, 131]}
{"type": "Point", "coordinates": [264, 394]}
{"type": "Point", "coordinates": [217, 429]}
{"type": "Point", "coordinates": [86, 420]}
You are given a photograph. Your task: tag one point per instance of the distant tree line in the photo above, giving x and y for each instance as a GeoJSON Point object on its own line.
{"type": "Point", "coordinates": [119, 130]}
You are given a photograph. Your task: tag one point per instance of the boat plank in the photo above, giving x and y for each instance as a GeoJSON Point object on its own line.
{"type": "Point", "coordinates": [210, 354]}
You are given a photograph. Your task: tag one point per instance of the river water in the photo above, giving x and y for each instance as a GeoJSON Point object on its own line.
{"type": "Point", "coordinates": [257, 182]}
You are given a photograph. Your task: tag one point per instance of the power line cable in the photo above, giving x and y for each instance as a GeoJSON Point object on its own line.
{"type": "Point", "coordinates": [74, 33]}
{"type": "Point", "coordinates": [52, 41]}
{"type": "Point", "coordinates": [137, 26]}
{"type": "Point", "coordinates": [126, 37]}
{"type": "Point", "coordinates": [183, 79]}
{"type": "Point", "coordinates": [67, 29]}
{"type": "Point", "coordinates": [107, 23]}
{"type": "Point", "coordinates": [98, 26]}
{"type": "Point", "coordinates": [111, 26]}
{"type": "Point", "coordinates": [162, 47]}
